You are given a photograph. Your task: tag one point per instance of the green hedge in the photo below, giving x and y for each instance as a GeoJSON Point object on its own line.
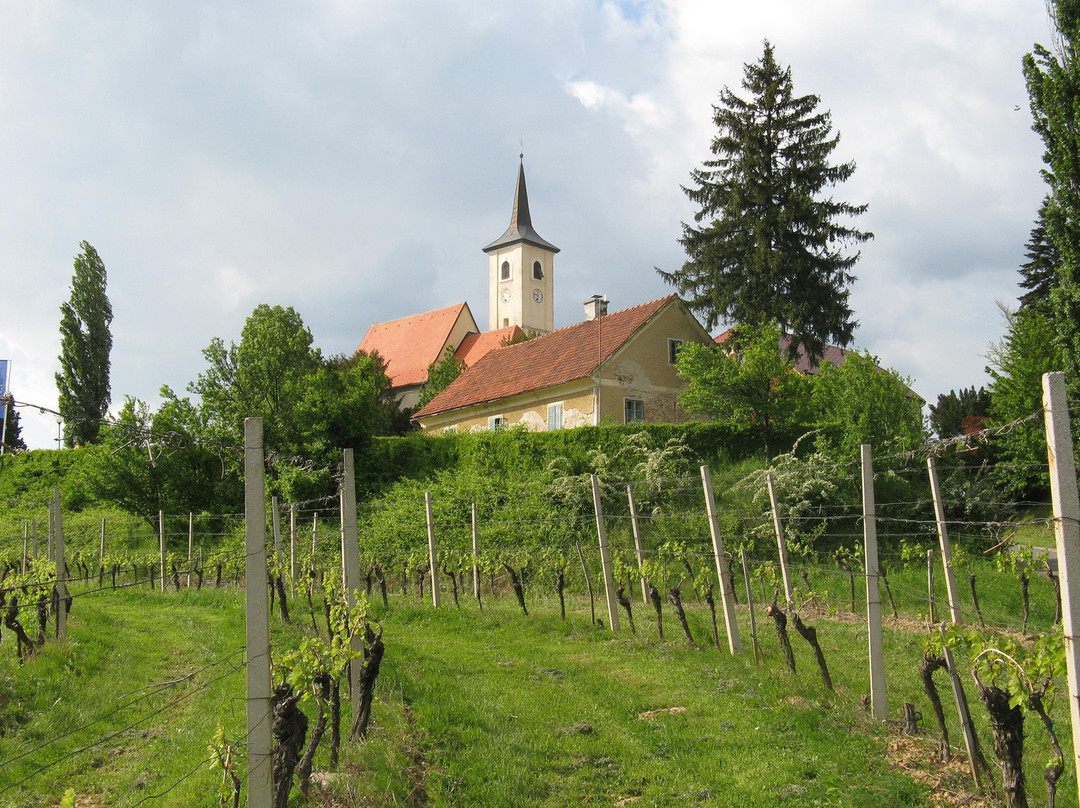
{"type": "Point", "coordinates": [516, 453]}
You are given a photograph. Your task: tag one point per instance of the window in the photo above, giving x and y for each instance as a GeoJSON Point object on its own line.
{"type": "Point", "coordinates": [538, 271]}
{"type": "Point", "coordinates": [554, 416]}
{"type": "Point", "coordinates": [635, 410]}
{"type": "Point", "coordinates": [496, 423]}
{"type": "Point", "coordinates": [673, 346]}
{"type": "Point", "coordinates": [504, 271]}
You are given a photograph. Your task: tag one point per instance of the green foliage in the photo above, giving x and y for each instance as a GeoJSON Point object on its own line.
{"type": "Point", "coordinates": [154, 461]}
{"type": "Point", "coordinates": [766, 245]}
{"type": "Point", "coordinates": [1039, 273]}
{"type": "Point", "coordinates": [947, 416]}
{"type": "Point", "coordinates": [85, 345]}
{"type": "Point", "coordinates": [857, 402]}
{"type": "Point", "coordinates": [747, 380]}
{"type": "Point", "coordinates": [1053, 83]}
{"type": "Point", "coordinates": [439, 376]}
{"type": "Point", "coordinates": [263, 376]}
{"type": "Point", "coordinates": [1017, 364]}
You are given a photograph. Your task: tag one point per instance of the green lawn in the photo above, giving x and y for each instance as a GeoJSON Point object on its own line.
{"type": "Point", "coordinates": [476, 708]}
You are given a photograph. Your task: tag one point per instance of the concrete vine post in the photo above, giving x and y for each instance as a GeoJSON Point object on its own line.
{"type": "Point", "coordinates": [966, 727]}
{"type": "Point", "coordinates": [433, 559]}
{"type": "Point", "coordinates": [190, 544]}
{"type": "Point", "coordinates": [350, 568]}
{"type": "Point", "coordinates": [61, 567]}
{"type": "Point", "coordinates": [946, 546]}
{"type": "Point", "coordinates": [260, 771]}
{"type": "Point", "coordinates": [475, 552]}
{"type": "Point", "coordinates": [778, 526]}
{"type": "Point", "coordinates": [292, 540]}
{"type": "Point", "coordinates": [275, 518]}
{"type": "Point", "coordinates": [605, 560]}
{"type": "Point", "coordinates": [726, 595]}
{"type": "Point", "coordinates": [161, 547]}
{"type": "Point", "coordinates": [879, 706]}
{"type": "Point", "coordinates": [1066, 507]}
{"type": "Point", "coordinates": [637, 543]}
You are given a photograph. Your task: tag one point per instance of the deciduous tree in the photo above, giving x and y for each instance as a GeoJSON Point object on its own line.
{"type": "Point", "coordinates": [85, 346]}
{"type": "Point", "coordinates": [748, 380]}
{"type": "Point", "coordinates": [439, 376]}
{"type": "Point", "coordinates": [767, 243]}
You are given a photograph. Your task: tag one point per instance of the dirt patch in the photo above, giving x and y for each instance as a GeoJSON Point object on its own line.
{"type": "Point", "coordinates": [663, 711]}
{"type": "Point", "coordinates": [950, 784]}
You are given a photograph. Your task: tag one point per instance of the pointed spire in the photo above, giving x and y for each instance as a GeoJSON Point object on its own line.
{"type": "Point", "coordinates": [520, 228]}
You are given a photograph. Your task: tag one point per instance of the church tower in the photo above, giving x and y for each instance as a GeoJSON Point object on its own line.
{"type": "Point", "coordinates": [521, 266]}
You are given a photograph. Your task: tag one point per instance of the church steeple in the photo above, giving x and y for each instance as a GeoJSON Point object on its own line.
{"type": "Point", "coordinates": [520, 271]}
{"type": "Point", "coordinates": [521, 228]}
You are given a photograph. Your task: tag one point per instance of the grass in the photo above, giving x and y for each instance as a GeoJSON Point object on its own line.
{"type": "Point", "coordinates": [490, 708]}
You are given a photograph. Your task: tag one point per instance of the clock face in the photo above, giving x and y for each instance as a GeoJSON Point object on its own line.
{"type": "Point", "coordinates": [538, 296]}
{"type": "Point", "coordinates": [506, 295]}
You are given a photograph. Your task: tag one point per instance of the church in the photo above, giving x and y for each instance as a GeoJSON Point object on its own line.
{"type": "Point", "coordinates": [523, 372]}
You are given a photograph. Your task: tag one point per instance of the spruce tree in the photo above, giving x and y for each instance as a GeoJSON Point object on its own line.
{"type": "Point", "coordinates": [1039, 273]}
{"type": "Point", "coordinates": [85, 345]}
{"type": "Point", "coordinates": [767, 244]}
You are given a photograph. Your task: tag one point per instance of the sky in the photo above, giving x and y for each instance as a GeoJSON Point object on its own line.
{"type": "Point", "coordinates": [351, 159]}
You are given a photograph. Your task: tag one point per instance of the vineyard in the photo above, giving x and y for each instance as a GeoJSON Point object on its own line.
{"type": "Point", "coordinates": [642, 631]}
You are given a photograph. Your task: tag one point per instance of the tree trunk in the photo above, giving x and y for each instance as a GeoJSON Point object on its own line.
{"type": "Point", "coordinates": [711, 602]}
{"type": "Point", "coordinates": [303, 770]}
{"type": "Point", "coordinates": [519, 591]}
{"type": "Point", "coordinates": [809, 633]}
{"type": "Point", "coordinates": [654, 599]}
{"type": "Point", "coordinates": [620, 595]}
{"type": "Point", "coordinates": [780, 620]}
{"type": "Point", "coordinates": [926, 673]}
{"type": "Point", "coordinates": [373, 654]}
{"type": "Point", "coordinates": [1008, 726]}
{"type": "Point", "coordinates": [676, 600]}
{"type": "Point", "coordinates": [290, 732]}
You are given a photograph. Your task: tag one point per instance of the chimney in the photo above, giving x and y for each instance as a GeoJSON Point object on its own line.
{"type": "Point", "coordinates": [595, 306]}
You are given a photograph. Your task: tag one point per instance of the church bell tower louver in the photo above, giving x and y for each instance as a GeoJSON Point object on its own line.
{"type": "Point", "coordinates": [521, 272]}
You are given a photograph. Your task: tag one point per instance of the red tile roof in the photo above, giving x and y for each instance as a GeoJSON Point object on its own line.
{"type": "Point", "coordinates": [475, 346]}
{"type": "Point", "coordinates": [802, 363]}
{"type": "Point", "coordinates": [410, 344]}
{"type": "Point", "coordinates": [561, 356]}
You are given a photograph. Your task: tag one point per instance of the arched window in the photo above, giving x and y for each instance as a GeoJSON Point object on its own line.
{"type": "Point", "coordinates": [538, 271]}
{"type": "Point", "coordinates": [504, 271]}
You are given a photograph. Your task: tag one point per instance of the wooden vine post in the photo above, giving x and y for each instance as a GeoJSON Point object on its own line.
{"type": "Point", "coordinates": [161, 547]}
{"type": "Point", "coordinates": [605, 560]}
{"type": "Point", "coordinates": [61, 567]}
{"type": "Point", "coordinates": [260, 772]}
{"type": "Point", "coordinates": [1066, 508]}
{"type": "Point", "coordinates": [350, 570]}
{"type": "Point", "coordinates": [101, 552]}
{"type": "Point", "coordinates": [750, 605]}
{"type": "Point", "coordinates": [275, 521]}
{"type": "Point", "coordinates": [433, 558]}
{"type": "Point", "coordinates": [785, 570]}
{"type": "Point", "coordinates": [637, 543]}
{"type": "Point", "coordinates": [879, 707]}
{"type": "Point", "coordinates": [726, 595]}
{"type": "Point", "coordinates": [946, 546]}
{"type": "Point", "coordinates": [930, 583]}
{"type": "Point", "coordinates": [25, 539]}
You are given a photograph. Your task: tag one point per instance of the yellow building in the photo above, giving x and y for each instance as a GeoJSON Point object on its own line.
{"type": "Point", "coordinates": [610, 368]}
{"type": "Point", "coordinates": [613, 368]}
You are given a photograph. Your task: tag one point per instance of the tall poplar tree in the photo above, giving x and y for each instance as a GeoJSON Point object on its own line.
{"type": "Point", "coordinates": [1053, 82]}
{"type": "Point", "coordinates": [767, 244]}
{"type": "Point", "coordinates": [85, 345]}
